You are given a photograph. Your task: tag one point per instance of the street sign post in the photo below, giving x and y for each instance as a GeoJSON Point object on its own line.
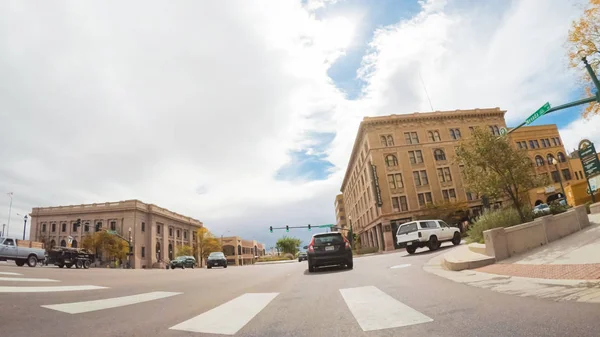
{"type": "Point", "coordinates": [590, 163]}
{"type": "Point", "coordinates": [540, 112]}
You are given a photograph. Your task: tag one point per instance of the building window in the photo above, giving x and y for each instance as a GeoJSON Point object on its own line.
{"type": "Point", "coordinates": [143, 251]}
{"type": "Point", "coordinates": [494, 130]}
{"type": "Point", "coordinates": [86, 227]}
{"type": "Point", "coordinates": [63, 227]}
{"type": "Point", "coordinates": [178, 233]}
{"type": "Point", "coordinates": [555, 176]}
{"type": "Point", "coordinates": [561, 157]}
{"type": "Point", "coordinates": [53, 227]}
{"type": "Point", "coordinates": [434, 136]}
{"type": "Point", "coordinates": [411, 138]}
{"type": "Point", "coordinates": [395, 181]}
{"type": "Point", "coordinates": [545, 142]}
{"type": "Point", "coordinates": [566, 174]}
{"type": "Point", "coordinates": [472, 196]}
{"type": "Point", "coordinates": [390, 140]}
{"type": "Point", "coordinates": [400, 203]}
{"type": "Point", "coordinates": [143, 226]}
{"type": "Point", "coordinates": [522, 145]}
{"type": "Point", "coordinates": [170, 231]}
{"type": "Point", "coordinates": [558, 141]}
{"type": "Point", "coordinates": [539, 161]}
{"type": "Point", "coordinates": [391, 160]}
{"type": "Point", "coordinates": [113, 225]}
{"type": "Point", "coordinates": [550, 159]}
{"type": "Point", "coordinates": [157, 229]}
{"type": "Point", "coordinates": [577, 175]}
{"type": "Point", "coordinates": [444, 174]}
{"type": "Point", "coordinates": [455, 134]}
{"type": "Point", "coordinates": [383, 140]}
{"type": "Point", "coordinates": [449, 195]}
{"type": "Point", "coordinates": [43, 227]}
{"type": "Point", "coordinates": [416, 157]}
{"type": "Point", "coordinates": [74, 228]}
{"type": "Point", "coordinates": [471, 129]}
{"type": "Point", "coordinates": [420, 178]}
{"type": "Point", "coordinates": [424, 199]}
{"type": "Point", "coordinates": [439, 154]}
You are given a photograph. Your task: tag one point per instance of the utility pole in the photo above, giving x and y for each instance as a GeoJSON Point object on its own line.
{"type": "Point", "coordinates": [3, 225]}
{"type": "Point", "coordinates": [10, 194]}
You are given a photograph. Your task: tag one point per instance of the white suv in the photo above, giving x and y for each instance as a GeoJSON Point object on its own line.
{"type": "Point", "coordinates": [430, 233]}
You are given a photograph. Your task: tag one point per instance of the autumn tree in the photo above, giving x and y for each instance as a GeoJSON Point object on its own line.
{"type": "Point", "coordinates": [490, 166]}
{"type": "Point", "coordinates": [184, 250]}
{"type": "Point", "coordinates": [109, 244]}
{"type": "Point", "coordinates": [584, 41]}
{"type": "Point", "coordinates": [448, 211]}
{"type": "Point", "coordinates": [207, 243]}
{"type": "Point", "coordinates": [288, 244]}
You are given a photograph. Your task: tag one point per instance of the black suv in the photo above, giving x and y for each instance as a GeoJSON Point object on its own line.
{"type": "Point", "coordinates": [326, 249]}
{"type": "Point", "coordinates": [216, 259]}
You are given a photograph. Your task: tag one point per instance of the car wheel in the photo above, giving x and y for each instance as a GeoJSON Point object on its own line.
{"type": "Point", "coordinates": [61, 265]}
{"type": "Point", "coordinates": [411, 250]}
{"type": "Point", "coordinates": [350, 264]}
{"type": "Point", "coordinates": [78, 264]}
{"type": "Point", "coordinates": [433, 243]}
{"type": "Point", "coordinates": [69, 265]}
{"type": "Point", "coordinates": [86, 264]}
{"type": "Point", "coordinates": [456, 239]}
{"type": "Point", "coordinates": [225, 266]}
{"type": "Point", "coordinates": [208, 267]}
{"type": "Point", "coordinates": [192, 266]}
{"type": "Point", "coordinates": [20, 263]}
{"type": "Point", "coordinates": [183, 266]}
{"type": "Point", "coordinates": [32, 261]}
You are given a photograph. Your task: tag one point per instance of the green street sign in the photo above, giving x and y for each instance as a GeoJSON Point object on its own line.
{"type": "Point", "coordinates": [503, 131]}
{"type": "Point", "coordinates": [589, 150]}
{"type": "Point", "coordinates": [111, 232]}
{"type": "Point", "coordinates": [540, 112]}
{"type": "Point", "coordinates": [591, 167]}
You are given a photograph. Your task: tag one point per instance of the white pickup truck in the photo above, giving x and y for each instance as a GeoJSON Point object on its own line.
{"type": "Point", "coordinates": [426, 233]}
{"type": "Point", "coordinates": [11, 250]}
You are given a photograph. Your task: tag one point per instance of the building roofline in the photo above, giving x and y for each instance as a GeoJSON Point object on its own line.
{"type": "Point", "coordinates": [416, 116]}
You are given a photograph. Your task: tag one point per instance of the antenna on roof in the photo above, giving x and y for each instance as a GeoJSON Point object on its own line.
{"type": "Point", "coordinates": [426, 93]}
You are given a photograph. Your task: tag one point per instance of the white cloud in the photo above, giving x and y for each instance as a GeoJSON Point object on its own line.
{"type": "Point", "coordinates": [581, 129]}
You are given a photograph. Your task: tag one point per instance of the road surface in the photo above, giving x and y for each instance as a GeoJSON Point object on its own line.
{"type": "Point", "coordinates": [384, 295]}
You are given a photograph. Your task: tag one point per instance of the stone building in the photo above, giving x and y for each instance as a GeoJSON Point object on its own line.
{"type": "Point", "coordinates": [156, 232]}
{"type": "Point", "coordinates": [340, 214]}
{"type": "Point", "coordinates": [241, 252]}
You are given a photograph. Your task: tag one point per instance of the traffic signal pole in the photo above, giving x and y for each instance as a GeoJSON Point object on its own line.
{"type": "Point", "coordinates": [595, 98]}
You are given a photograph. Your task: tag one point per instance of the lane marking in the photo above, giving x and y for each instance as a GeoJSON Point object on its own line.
{"type": "Point", "coordinates": [400, 266]}
{"type": "Point", "coordinates": [7, 273]}
{"type": "Point", "coordinates": [230, 317]}
{"type": "Point", "coordinates": [87, 306]}
{"type": "Point", "coordinates": [9, 289]}
{"type": "Point", "coordinates": [375, 310]}
{"type": "Point", "coordinates": [25, 279]}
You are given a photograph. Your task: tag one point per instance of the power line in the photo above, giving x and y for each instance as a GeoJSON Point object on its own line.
{"type": "Point", "coordinates": [426, 93]}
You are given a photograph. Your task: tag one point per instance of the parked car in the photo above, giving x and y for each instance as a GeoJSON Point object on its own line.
{"type": "Point", "coordinates": [541, 209]}
{"type": "Point", "coordinates": [302, 256]}
{"type": "Point", "coordinates": [11, 250]}
{"type": "Point", "coordinates": [182, 262]}
{"type": "Point", "coordinates": [326, 249]}
{"type": "Point", "coordinates": [216, 259]}
{"type": "Point", "coordinates": [426, 233]}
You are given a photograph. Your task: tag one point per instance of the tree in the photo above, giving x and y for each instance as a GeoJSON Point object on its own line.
{"type": "Point", "coordinates": [113, 246]}
{"type": "Point", "coordinates": [584, 41]}
{"type": "Point", "coordinates": [493, 168]}
{"type": "Point", "coordinates": [288, 245]}
{"type": "Point", "coordinates": [451, 212]}
{"type": "Point", "coordinates": [184, 251]}
{"type": "Point", "coordinates": [207, 243]}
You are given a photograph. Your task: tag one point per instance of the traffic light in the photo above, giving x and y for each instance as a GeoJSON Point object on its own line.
{"type": "Point", "coordinates": [271, 229]}
{"type": "Point", "coordinates": [77, 223]}
{"type": "Point", "coordinates": [309, 227]}
{"type": "Point", "coordinates": [98, 225]}
{"type": "Point", "coordinates": [287, 228]}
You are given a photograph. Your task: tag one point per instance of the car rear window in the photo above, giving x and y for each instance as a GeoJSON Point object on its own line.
{"type": "Point", "coordinates": [428, 224]}
{"type": "Point", "coordinates": [411, 227]}
{"type": "Point", "coordinates": [216, 254]}
{"type": "Point", "coordinates": [330, 238]}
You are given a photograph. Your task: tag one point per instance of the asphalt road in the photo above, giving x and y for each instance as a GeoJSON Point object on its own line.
{"type": "Point", "coordinates": [278, 300]}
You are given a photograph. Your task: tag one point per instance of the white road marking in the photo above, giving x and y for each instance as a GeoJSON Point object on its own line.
{"type": "Point", "coordinates": [7, 273]}
{"type": "Point", "coordinates": [230, 317]}
{"type": "Point", "coordinates": [400, 266]}
{"type": "Point", "coordinates": [9, 289]}
{"type": "Point", "coordinates": [87, 306]}
{"type": "Point", "coordinates": [375, 310]}
{"type": "Point", "coordinates": [25, 279]}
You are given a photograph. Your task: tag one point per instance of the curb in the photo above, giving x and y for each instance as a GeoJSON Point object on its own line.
{"type": "Point", "coordinates": [275, 262]}
{"type": "Point", "coordinates": [478, 248]}
{"type": "Point", "coordinates": [455, 265]}
{"type": "Point", "coordinates": [586, 291]}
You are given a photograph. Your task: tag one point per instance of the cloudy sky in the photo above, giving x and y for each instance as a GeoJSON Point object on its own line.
{"type": "Point", "coordinates": [242, 114]}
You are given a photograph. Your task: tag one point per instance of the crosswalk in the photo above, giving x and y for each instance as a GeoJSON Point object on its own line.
{"type": "Point", "coordinates": [371, 308]}
{"type": "Point", "coordinates": [17, 278]}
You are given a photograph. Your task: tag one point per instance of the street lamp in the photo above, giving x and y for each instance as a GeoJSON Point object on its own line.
{"type": "Point", "coordinates": [24, 225]}
{"type": "Point", "coordinates": [351, 231]}
{"type": "Point", "coordinates": [562, 189]}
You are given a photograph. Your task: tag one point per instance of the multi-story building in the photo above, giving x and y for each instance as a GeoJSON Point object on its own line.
{"type": "Point", "coordinates": [156, 232]}
{"type": "Point", "coordinates": [340, 214]}
{"type": "Point", "coordinates": [401, 163]}
{"type": "Point", "coordinates": [241, 252]}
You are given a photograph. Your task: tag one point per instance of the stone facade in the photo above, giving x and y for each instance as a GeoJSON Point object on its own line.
{"type": "Point", "coordinates": [156, 232]}
{"type": "Point", "coordinates": [340, 214]}
{"type": "Point", "coordinates": [241, 252]}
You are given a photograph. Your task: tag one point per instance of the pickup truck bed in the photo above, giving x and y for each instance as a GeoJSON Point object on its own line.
{"type": "Point", "coordinates": [21, 252]}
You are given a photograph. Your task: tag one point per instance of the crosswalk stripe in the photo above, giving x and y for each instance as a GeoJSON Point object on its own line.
{"type": "Point", "coordinates": [87, 306]}
{"type": "Point", "coordinates": [8, 273]}
{"type": "Point", "coordinates": [25, 279]}
{"type": "Point", "coordinates": [230, 317]}
{"type": "Point", "coordinates": [375, 310]}
{"type": "Point", "coordinates": [9, 289]}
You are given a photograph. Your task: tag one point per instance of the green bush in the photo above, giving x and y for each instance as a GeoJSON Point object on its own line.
{"type": "Point", "coordinates": [557, 208]}
{"type": "Point", "coordinates": [274, 258]}
{"type": "Point", "coordinates": [490, 219]}
{"type": "Point", "coordinates": [367, 250]}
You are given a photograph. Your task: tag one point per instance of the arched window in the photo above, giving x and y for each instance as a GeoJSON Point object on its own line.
{"type": "Point", "coordinates": [496, 130]}
{"type": "Point", "coordinates": [63, 227]}
{"type": "Point", "coordinates": [550, 158]}
{"type": "Point", "coordinates": [52, 244]}
{"type": "Point", "coordinates": [383, 141]}
{"type": "Point", "coordinates": [63, 243]}
{"type": "Point", "coordinates": [452, 134]}
{"type": "Point", "coordinates": [539, 161]}
{"type": "Point", "coordinates": [561, 157]}
{"type": "Point", "coordinates": [391, 160]}
{"type": "Point", "coordinates": [436, 136]}
{"type": "Point", "coordinates": [74, 244]}
{"type": "Point", "coordinates": [390, 140]}
{"type": "Point", "coordinates": [439, 154]}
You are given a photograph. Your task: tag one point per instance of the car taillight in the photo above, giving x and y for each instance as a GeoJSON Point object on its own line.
{"type": "Point", "coordinates": [420, 234]}
{"type": "Point", "coordinates": [311, 248]}
{"type": "Point", "coordinates": [347, 243]}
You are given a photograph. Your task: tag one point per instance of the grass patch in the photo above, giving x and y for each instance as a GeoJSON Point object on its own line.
{"type": "Point", "coordinates": [275, 258]}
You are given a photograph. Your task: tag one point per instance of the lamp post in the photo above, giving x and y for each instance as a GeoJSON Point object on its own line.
{"type": "Point", "coordinates": [24, 225]}
{"type": "Point", "coordinates": [562, 189]}
{"type": "Point", "coordinates": [351, 235]}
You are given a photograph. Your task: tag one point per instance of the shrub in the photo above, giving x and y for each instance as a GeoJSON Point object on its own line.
{"type": "Point", "coordinates": [367, 250]}
{"type": "Point", "coordinates": [587, 207]}
{"type": "Point", "coordinates": [274, 258]}
{"type": "Point", "coordinates": [557, 208]}
{"type": "Point", "coordinates": [490, 219]}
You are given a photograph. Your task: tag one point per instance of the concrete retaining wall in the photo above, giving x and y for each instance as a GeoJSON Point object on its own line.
{"type": "Point", "coordinates": [503, 243]}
